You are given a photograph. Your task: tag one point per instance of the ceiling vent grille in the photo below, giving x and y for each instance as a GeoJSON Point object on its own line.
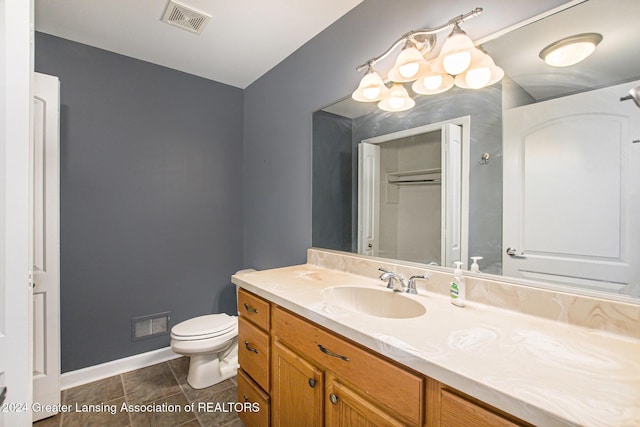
{"type": "Point", "coordinates": [185, 17]}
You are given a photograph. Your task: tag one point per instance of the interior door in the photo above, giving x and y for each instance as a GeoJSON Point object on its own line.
{"type": "Point", "coordinates": [16, 31]}
{"type": "Point", "coordinates": [571, 195]}
{"type": "Point", "coordinates": [368, 198]}
{"type": "Point", "coordinates": [451, 195]}
{"type": "Point", "coordinates": [45, 243]}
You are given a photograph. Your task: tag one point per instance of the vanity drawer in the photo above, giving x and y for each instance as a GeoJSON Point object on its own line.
{"type": "Point", "coordinates": [394, 387]}
{"type": "Point", "coordinates": [254, 308]}
{"type": "Point", "coordinates": [248, 391]}
{"type": "Point", "coordinates": [455, 411]}
{"type": "Point", "coordinates": [254, 352]}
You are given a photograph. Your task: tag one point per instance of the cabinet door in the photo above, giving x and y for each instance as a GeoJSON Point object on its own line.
{"type": "Point", "coordinates": [346, 408]}
{"type": "Point", "coordinates": [296, 397]}
{"type": "Point", "coordinates": [456, 411]}
{"type": "Point", "coordinates": [447, 407]}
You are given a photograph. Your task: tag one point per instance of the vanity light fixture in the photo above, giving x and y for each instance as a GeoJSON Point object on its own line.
{"type": "Point", "coordinates": [459, 58]}
{"type": "Point", "coordinates": [371, 87]}
{"type": "Point", "coordinates": [570, 50]}
{"type": "Point", "coordinates": [397, 99]}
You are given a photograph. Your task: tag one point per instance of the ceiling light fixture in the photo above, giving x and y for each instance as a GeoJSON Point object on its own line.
{"type": "Point", "coordinates": [459, 58]}
{"type": "Point", "coordinates": [570, 50]}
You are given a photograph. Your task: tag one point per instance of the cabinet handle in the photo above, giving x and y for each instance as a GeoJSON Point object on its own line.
{"type": "Point", "coordinates": [248, 347]}
{"type": "Point", "coordinates": [246, 399]}
{"type": "Point", "coordinates": [312, 382]}
{"type": "Point", "coordinates": [250, 309]}
{"type": "Point", "coordinates": [333, 398]}
{"type": "Point", "coordinates": [331, 353]}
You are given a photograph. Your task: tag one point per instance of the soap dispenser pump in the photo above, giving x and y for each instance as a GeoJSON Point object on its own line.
{"type": "Point", "coordinates": [475, 267]}
{"type": "Point", "coordinates": [457, 289]}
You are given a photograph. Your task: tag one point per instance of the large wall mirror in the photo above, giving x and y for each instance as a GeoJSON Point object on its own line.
{"type": "Point", "coordinates": [544, 184]}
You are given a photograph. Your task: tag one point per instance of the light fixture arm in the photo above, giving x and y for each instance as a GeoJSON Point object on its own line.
{"type": "Point", "coordinates": [411, 35]}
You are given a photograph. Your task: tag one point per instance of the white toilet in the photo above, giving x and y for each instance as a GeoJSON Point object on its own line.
{"type": "Point", "coordinates": [211, 342]}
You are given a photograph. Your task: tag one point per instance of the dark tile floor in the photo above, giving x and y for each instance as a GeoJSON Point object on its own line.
{"type": "Point", "coordinates": [100, 403]}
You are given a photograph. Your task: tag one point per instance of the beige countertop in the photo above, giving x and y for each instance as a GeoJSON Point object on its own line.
{"type": "Point", "coordinates": [543, 371]}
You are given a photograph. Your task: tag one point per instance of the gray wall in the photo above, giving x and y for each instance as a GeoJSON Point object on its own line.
{"type": "Point", "coordinates": [332, 171]}
{"type": "Point", "coordinates": [150, 197]}
{"type": "Point", "coordinates": [279, 107]}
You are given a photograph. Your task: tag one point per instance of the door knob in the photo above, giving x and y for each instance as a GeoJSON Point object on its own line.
{"type": "Point", "coordinates": [514, 252]}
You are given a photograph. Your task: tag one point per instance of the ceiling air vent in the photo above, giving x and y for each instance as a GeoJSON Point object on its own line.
{"type": "Point", "coordinates": [185, 17]}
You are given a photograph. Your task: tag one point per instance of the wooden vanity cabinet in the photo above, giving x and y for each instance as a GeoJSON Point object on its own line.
{"type": "Point", "coordinates": [447, 407]}
{"type": "Point", "coordinates": [354, 386]}
{"type": "Point", "coordinates": [303, 375]}
{"type": "Point", "coordinates": [249, 391]}
{"type": "Point", "coordinates": [298, 388]}
{"type": "Point", "coordinates": [346, 407]}
{"type": "Point", "coordinates": [254, 357]}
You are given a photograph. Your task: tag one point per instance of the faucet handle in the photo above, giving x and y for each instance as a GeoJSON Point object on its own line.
{"type": "Point", "coordinates": [392, 277]}
{"type": "Point", "coordinates": [411, 286]}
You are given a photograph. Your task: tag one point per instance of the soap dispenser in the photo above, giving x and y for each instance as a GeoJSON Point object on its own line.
{"type": "Point", "coordinates": [475, 267]}
{"type": "Point", "coordinates": [457, 289]}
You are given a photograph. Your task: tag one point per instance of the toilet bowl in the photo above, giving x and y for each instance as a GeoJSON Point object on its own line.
{"type": "Point", "coordinates": [211, 342]}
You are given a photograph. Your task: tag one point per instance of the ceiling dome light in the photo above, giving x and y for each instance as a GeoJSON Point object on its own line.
{"type": "Point", "coordinates": [397, 99]}
{"type": "Point", "coordinates": [482, 72]}
{"type": "Point", "coordinates": [371, 87]}
{"type": "Point", "coordinates": [570, 50]}
{"type": "Point", "coordinates": [409, 65]}
{"type": "Point", "coordinates": [456, 51]}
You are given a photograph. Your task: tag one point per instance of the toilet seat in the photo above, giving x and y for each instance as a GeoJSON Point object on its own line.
{"type": "Point", "coordinates": [204, 327]}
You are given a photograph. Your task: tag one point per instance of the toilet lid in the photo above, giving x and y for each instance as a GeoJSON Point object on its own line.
{"type": "Point", "coordinates": [209, 325]}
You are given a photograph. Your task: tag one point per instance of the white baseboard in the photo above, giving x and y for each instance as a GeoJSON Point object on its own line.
{"type": "Point", "coordinates": [115, 367]}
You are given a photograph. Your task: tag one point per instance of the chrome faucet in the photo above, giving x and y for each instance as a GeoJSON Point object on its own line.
{"type": "Point", "coordinates": [392, 279]}
{"type": "Point", "coordinates": [411, 286]}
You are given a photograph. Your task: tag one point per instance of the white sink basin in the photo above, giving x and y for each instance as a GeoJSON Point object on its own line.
{"type": "Point", "coordinates": [374, 302]}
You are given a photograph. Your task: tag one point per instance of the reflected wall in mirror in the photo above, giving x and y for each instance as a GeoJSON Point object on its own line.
{"type": "Point", "coordinates": [414, 177]}
{"type": "Point", "coordinates": [571, 208]}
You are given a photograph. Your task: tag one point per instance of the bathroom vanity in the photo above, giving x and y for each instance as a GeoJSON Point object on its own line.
{"type": "Point", "coordinates": [513, 356]}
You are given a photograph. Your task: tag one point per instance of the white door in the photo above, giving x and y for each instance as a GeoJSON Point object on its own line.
{"type": "Point", "coordinates": [368, 198]}
{"type": "Point", "coordinates": [15, 105]}
{"type": "Point", "coordinates": [451, 194]}
{"type": "Point", "coordinates": [46, 243]}
{"type": "Point", "coordinates": [571, 194]}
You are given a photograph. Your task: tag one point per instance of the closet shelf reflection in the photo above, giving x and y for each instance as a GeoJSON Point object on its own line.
{"type": "Point", "coordinates": [415, 177]}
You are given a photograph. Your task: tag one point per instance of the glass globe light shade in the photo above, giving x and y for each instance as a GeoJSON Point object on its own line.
{"type": "Point", "coordinates": [397, 99]}
{"type": "Point", "coordinates": [481, 73]}
{"type": "Point", "coordinates": [409, 65]}
{"type": "Point", "coordinates": [371, 87]}
{"type": "Point", "coordinates": [456, 52]}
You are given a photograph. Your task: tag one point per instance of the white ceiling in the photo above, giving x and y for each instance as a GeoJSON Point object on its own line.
{"type": "Point", "coordinates": [243, 40]}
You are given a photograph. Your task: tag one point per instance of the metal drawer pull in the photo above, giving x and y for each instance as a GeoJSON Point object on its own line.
{"type": "Point", "coordinates": [250, 309]}
{"type": "Point", "coordinates": [333, 398]}
{"type": "Point", "coordinates": [312, 382]}
{"type": "Point", "coordinates": [246, 399]}
{"type": "Point", "coordinates": [246, 344]}
{"type": "Point", "coordinates": [331, 353]}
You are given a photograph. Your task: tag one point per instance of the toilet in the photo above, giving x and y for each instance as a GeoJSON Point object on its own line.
{"type": "Point", "coordinates": [211, 342]}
